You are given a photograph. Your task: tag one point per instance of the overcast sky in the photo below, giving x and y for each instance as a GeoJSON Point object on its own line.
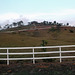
{"type": "Point", "coordinates": [39, 10]}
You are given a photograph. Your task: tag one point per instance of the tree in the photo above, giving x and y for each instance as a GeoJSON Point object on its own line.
{"type": "Point", "coordinates": [20, 23]}
{"type": "Point", "coordinates": [45, 22]}
{"type": "Point", "coordinates": [34, 22]}
{"type": "Point", "coordinates": [10, 26]}
{"type": "Point", "coordinates": [44, 43]}
{"type": "Point", "coordinates": [55, 22]}
{"type": "Point", "coordinates": [67, 24]}
{"type": "Point", "coordinates": [50, 23]}
{"type": "Point", "coordinates": [0, 27]}
{"type": "Point", "coordinates": [59, 26]}
{"type": "Point", "coordinates": [29, 23]}
{"type": "Point", "coordinates": [14, 23]}
{"type": "Point", "coordinates": [6, 26]}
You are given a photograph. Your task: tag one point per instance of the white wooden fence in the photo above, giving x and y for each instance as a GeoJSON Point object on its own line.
{"type": "Point", "coordinates": [33, 53]}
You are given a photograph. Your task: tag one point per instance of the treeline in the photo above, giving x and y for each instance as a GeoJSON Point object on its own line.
{"type": "Point", "coordinates": [46, 23]}
{"type": "Point", "coordinates": [14, 24]}
{"type": "Point", "coordinates": [36, 23]}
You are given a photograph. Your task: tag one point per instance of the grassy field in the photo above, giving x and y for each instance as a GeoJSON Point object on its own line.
{"type": "Point", "coordinates": [26, 39]}
{"type": "Point", "coordinates": [34, 39]}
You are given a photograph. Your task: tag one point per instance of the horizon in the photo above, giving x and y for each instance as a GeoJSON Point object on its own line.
{"type": "Point", "coordinates": [62, 11]}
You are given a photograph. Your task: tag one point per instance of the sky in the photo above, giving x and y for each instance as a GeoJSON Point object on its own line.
{"type": "Point", "coordinates": [39, 10]}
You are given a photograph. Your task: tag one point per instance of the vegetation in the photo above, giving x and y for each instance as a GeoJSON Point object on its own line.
{"type": "Point", "coordinates": [52, 29]}
{"type": "Point", "coordinates": [44, 43]}
{"type": "Point", "coordinates": [53, 36]}
{"type": "Point", "coordinates": [26, 39]}
{"type": "Point", "coordinates": [14, 24]}
{"type": "Point", "coordinates": [71, 31]}
{"type": "Point", "coordinates": [33, 23]}
{"type": "Point", "coordinates": [56, 35]}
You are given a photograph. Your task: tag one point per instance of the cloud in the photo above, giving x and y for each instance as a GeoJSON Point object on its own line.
{"type": "Point", "coordinates": [8, 18]}
{"type": "Point", "coordinates": [58, 13]}
{"type": "Point", "coordinates": [63, 16]}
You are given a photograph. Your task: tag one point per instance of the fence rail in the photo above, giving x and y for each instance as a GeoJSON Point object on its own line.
{"type": "Point", "coordinates": [34, 53]}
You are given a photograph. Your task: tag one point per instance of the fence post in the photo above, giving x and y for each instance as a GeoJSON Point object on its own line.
{"type": "Point", "coordinates": [7, 57]}
{"type": "Point", "coordinates": [60, 54]}
{"type": "Point", "coordinates": [33, 57]}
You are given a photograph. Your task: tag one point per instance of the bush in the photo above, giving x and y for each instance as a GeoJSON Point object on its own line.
{"type": "Point", "coordinates": [44, 43]}
{"type": "Point", "coordinates": [71, 31]}
{"type": "Point", "coordinates": [52, 29]}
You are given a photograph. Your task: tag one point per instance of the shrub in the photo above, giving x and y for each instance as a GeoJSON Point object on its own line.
{"type": "Point", "coordinates": [71, 31]}
{"type": "Point", "coordinates": [44, 43]}
{"type": "Point", "coordinates": [52, 29]}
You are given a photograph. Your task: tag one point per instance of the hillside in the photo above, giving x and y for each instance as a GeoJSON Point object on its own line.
{"type": "Point", "coordinates": [34, 38]}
